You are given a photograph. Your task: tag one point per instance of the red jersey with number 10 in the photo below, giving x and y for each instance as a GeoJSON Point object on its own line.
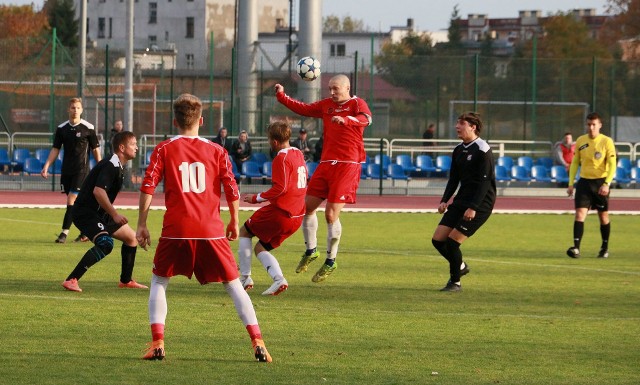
{"type": "Point", "coordinates": [193, 170]}
{"type": "Point", "coordinates": [342, 142]}
{"type": "Point", "coordinates": [289, 182]}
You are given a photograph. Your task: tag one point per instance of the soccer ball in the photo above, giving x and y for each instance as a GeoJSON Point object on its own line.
{"type": "Point", "coordinates": [308, 68]}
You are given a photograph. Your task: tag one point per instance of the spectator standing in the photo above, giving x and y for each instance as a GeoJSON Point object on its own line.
{"type": "Point", "coordinates": [302, 144]}
{"type": "Point", "coordinates": [429, 133]}
{"type": "Point", "coordinates": [76, 137]}
{"type": "Point", "coordinates": [338, 175]}
{"type": "Point", "coordinates": [563, 151]}
{"type": "Point", "coordinates": [241, 149]}
{"type": "Point", "coordinates": [472, 170]}
{"type": "Point", "coordinates": [282, 217]}
{"type": "Point", "coordinates": [193, 238]}
{"type": "Point", "coordinates": [97, 218]}
{"type": "Point", "coordinates": [317, 154]}
{"type": "Point", "coordinates": [223, 140]}
{"type": "Point", "coordinates": [596, 157]}
{"type": "Point", "coordinates": [117, 127]}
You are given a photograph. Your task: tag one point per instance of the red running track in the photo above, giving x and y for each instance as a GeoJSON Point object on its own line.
{"type": "Point", "coordinates": [365, 202]}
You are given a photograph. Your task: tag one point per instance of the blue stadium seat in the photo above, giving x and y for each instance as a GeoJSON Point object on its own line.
{"type": "Point", "coordinates": [266, 169]}
{"type": "Point", "coordinates": [505, 161]}
{"type": "Point", "coordinates": [311, 168]}
{"type": "Point", "coordinates": [234, 168]}
{"type": "Point", "coordinates": [625, 163]}
{"type": "Point", "coordinates": [635, 175]}
{"type": "Point", "coordinates": [92, 162]}
{"type": "Point", "coordinates": [385, 160]}
{"type": "Point", "coordinates": [526, 162]}
{"type": "Point", "coordinates": [502, 175]}
{"type": "Point", "coordinates": [545, 161]}
{"type": "Point", "coordinates": [443, 163]}
{"type": "Point", "coordinates": [539, 173]}
{"type": "Point", "coordinates": [406, 163]}
{"type": "Point", "coordinates": [520, 173]}
{"type": "Point", "coordinates": [396, 172]}
{"type": "Point", "coordinates": [5, 161]}
{"type": "Point", "coordinates": [56, 167]}
{"type": "Point", "coordinates": [32, 166]}
{"type": "Point", "coordinates": [18, 158]}
{"type": "Point", "coordinates": [259, 157]}
{"type": "Point", "coordinates": [363, 171]}
{"type": "Point", "coordinates": [42, 154]}
{"type": "Point", "coordinates": [424, 164]}
{"type": "Point", "coordinates": [373, 171]}
{"type": "Point", "coordinates": [621, 177]}
{"type": "Point", "coordinates": [251, 169]}
{"type": "Point", "coordinates": [559, 174]}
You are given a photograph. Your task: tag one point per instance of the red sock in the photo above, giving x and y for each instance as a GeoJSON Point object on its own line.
{"type": "Point", "coordinates": [254, 331]}
{"type": "Point", "coordinates": [157, 332]}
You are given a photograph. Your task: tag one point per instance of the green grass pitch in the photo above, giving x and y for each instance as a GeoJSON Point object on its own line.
{"type": "Point", "coordinates": [527, 314]}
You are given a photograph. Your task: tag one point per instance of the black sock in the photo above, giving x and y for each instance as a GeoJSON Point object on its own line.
{"type": "Point", "coordinates": [128, 260]}
{"type": "Point", "coordinates": [578, 231]}
{"type": "Point", "coordinates": [90, 258]}
{"type": "Point", "coordinates": [329, 261]}
{"type": "Point", "coordinates": [310, 251]}
{"type": "Point", "coordinates": [68, 219]}
{"type": "Point", "coordinates": [455, 259]}
{"type": "Point", "coordinates": [605, 230]}
{"type": "Point", "coordinates": [441, 246]}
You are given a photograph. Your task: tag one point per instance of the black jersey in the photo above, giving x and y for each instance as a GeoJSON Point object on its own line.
{"type": "Point", "coordinates": [76, 141]}
{"type": "Point", "coordinates": [472, 168]}
{"type": "Point", "coordinates": [108, 174]}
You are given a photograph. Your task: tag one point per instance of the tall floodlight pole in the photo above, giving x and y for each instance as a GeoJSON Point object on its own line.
{"type": "Point", "coordinates": [128, 74]}
{"type": "Point", "coordinates": [83, 47]}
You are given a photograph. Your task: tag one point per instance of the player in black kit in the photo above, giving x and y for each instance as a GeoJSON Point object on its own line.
{"type": "Point", "coordinates": [76, 137]}
{"type": "Point", "coordinates": [96, 217]}
{"type": "Point", "coordinates": [472, 168]}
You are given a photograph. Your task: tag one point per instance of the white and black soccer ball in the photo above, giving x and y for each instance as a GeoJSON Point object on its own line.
{"type": "Point", "coordinates": [308, 68]}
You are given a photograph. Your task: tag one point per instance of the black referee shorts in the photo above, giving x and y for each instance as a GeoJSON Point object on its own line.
{"type": "Point", "coordinates": [91, 223]}
{"type": "Point", "coordinates": [586, 195]}
{"type": "Point", "coordinates": [454, 218]}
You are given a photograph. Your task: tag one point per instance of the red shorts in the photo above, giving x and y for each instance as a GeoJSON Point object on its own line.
{"type": "Point", "coordinates": [210, 259]}
{"type": "Point", "coordinates": [272, 226]}
{"type": "Point", "coordinates": [337, 182]}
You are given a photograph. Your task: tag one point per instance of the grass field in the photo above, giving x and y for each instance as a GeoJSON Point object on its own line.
{"type": "Point", "coordinates": [527, 315]}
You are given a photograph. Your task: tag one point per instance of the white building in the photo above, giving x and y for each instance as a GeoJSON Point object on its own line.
{"type": "Point", "coordinates": [181, 25]}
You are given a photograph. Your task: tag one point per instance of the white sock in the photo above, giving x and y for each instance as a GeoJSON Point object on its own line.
{"type": "Point", "coordinates": [462, 265]}
{"type": "Point", "coordinates": [309, 230]}
{"type": "Point", "coordinates": [242, 302]}
{"type": "Point", "coordinates": [158, 300]}
{"type": "Point", "coordinates": [244, 255]}
{"type": "Point", "coordinates": [334, 232]}
{"type": "Point", "coordinates": [271, 264]}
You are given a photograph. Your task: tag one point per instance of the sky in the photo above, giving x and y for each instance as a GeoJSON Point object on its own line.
{"type": "Point", "coordinates": [428, 15]}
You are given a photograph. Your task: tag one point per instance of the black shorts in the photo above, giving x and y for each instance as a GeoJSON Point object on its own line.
{"type": "Point", "coordinates": [454, 218]}
{"type": "Point", "coordinates": [586, 193]}
{"type": "Point", "coordinates": [91, 223]}
{"type": "Point", "coordinates": [72, 183]}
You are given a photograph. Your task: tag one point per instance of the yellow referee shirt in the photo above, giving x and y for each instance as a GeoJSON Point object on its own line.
{"type": "Point", "coordinates": [595, 158]}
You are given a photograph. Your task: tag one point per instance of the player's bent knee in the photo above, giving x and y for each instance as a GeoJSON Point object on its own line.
{"type": "Point", "coordinates": [104, 242]}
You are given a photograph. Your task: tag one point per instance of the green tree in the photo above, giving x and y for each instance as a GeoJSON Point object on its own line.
{"type": "Point", "coordinates": [332, 23]}
{"type": "Point", "coordinates": [62, 17]}
{"type": "Point", "coordinates": [405, 63]}
{"type": "Point", "coordinates": [624, 27]}
{"type": "Point", "coordinates": [454, 46]}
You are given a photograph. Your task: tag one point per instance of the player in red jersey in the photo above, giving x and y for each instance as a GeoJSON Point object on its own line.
{"type": "Point", "coordinates": [193, 239]}
{"type": "Point", "coordinates": [337, 177]}
{"type": "Point", "coordinates": [274, 223]}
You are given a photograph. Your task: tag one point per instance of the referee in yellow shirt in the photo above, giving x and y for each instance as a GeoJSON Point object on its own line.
{"type": "Point", "coordinates": [596, 157]}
